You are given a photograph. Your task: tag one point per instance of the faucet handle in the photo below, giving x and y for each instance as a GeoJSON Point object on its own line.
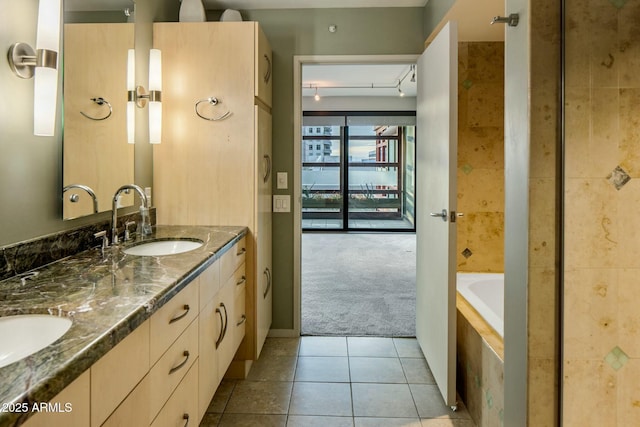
{"type": "Point", "coordinates": [127, 233]}
{"type": "Point", "coordinates": [105, 240]}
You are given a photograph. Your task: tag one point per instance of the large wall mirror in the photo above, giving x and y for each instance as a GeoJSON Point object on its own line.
{"type": "Point", "coordinates": [97, 156]}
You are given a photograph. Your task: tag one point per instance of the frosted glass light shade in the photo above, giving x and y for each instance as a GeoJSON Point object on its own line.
{"type": "Point", "coordinates": [155, 106]}
{"type": "Point", "coordinates": [131, 104]}
{"type": "Point", "coordinates": [45, 93]}
{"type": "Point", "coordinates": [155, 69]}
{"type": "Point", "coordinates": [48, 36]}
{"type": "Point", "coordinates": [131, 69]}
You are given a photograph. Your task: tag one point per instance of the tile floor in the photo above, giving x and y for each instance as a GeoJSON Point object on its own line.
{"type": "Point", "coordinates": [335, 381]}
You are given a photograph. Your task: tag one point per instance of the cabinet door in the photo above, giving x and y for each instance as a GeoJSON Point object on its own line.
{"type": "Point", "coordinates": [264, 67]}
{"type": "Point", "coordinates": [202, 60]}
{"type": "Point", "coordinates": [210, 329]}
{"type": "Point", "coordinates": [239, 308]}
{"type": "Point", "coordinates": [73, 402]}
{"type": "Point", "coordinates": [264, 279]}
{"type": "Point", "coordinates": [225, 310]}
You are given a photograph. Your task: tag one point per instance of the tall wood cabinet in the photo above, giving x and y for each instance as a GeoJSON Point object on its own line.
{"type": "Point", "coordinates": [216, 169]}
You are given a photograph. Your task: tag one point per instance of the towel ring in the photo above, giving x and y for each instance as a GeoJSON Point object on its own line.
{"type": "Point", "coordinates": [99, 101]}
{"type": "Point", "coordinates": [213, 101]}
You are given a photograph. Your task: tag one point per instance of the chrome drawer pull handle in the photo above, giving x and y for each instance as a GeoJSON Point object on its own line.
{"type": "Point", "coordinates": [241, 281]}
{"type": "Point", "coordinates": [241, 252]}
{"type": "Point", "coordinates": [185, 417]}
{"type": "Point", "coordinates": [267, 273]}
{"type": "Point", "coordinates": [244, 319]}
{"type": "Point", "coordinates": [186, 311]}
{"type": "Point", "coordinates": [226, 320]}
{"type": "Point", "coordinates": [184, 362]}
{"type": "Point", "coordinates": [220, 336]}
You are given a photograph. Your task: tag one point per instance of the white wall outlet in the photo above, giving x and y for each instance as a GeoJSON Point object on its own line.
{"type": "Point", "coordinates": [281, 203]}
{"type": "Point", "coordinates": [282, 181]}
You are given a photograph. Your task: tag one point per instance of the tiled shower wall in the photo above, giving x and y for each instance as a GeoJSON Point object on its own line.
{"type": "Point", "coordinates": [481, 156]}
{"type": "Point", "coordinates": [602, 214]}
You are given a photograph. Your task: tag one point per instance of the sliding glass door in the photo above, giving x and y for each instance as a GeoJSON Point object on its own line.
{"type": "Point", "coordinates": [358, 171]}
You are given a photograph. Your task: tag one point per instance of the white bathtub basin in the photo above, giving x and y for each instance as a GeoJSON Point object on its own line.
{"type": "Point", "coordinates": [24, 334]}
{"type": "Point", "coordinates": [163, 247]}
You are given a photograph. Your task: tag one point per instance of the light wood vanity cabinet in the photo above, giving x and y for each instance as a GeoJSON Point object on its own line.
{"type": "Point", "coordinates": [219, 171]}
{"type": "Point", "coordinates": [169, 366]}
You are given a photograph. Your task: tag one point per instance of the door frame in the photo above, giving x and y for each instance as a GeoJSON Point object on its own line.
{"type": "Point", "coordinates": [296, 204]}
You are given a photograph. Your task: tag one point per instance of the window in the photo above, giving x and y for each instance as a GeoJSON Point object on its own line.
{"type": "Point", "coordinates": [310, 146]}
{"type": "Point", "coordinates": [318, 147]}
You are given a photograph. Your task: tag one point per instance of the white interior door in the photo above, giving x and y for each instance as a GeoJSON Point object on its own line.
{"type": "Point", "coordinates": [437, 124]}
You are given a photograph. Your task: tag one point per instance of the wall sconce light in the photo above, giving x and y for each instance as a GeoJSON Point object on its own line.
{"type": "Point", "coordinates": [26, 62]}
{"type": "Point", "coordinates": [154, 97]}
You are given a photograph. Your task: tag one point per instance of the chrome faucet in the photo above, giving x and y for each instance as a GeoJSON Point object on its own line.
{"type": "Point", "coordinates": [74, 197]}
{"type": "Point", "coordinates": [114, 211]}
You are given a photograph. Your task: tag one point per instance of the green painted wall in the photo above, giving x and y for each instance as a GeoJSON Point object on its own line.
{"type": "Point", "coordinates": [433, 12]}
{"type": "Point", "coordinates": [305, 32]}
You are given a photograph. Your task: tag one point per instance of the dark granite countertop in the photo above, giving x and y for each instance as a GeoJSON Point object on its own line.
{"type": "Point", "coordinates": [107, 296]}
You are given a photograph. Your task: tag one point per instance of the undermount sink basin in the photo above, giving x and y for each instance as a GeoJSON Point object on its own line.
{"type": "Point", "coordinates": [24, 334]}
{"type": "Point", "coordinates": [163, 247]}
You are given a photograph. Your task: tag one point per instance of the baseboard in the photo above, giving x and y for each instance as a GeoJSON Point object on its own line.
{"type": "Point", "coordinates": [283, 333]}
{"type": "Point", "coordinates": [239, 369]}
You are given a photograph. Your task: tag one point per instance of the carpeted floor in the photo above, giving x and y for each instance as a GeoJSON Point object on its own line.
{"type": "Point", "coordinates": [358, 284]}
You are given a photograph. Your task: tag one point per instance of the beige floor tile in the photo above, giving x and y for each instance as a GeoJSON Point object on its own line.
{"type": "Point", "coordinates": [315, 421]}
{"type": "Point", "coordinates": [210, 420]}
{"type": "Point", "coordinates": [323, 346]}
{"type": "Point", "coordinates": [322, 369]}
{"type": "Point", "coordinates": [371, 347]}
{"type": "Point", "coordinates": [280, 347]}
{"type": "Point", "coordinates": [431, 405]}
{"type": "Point", "coordinates": [383, 400]}
{"type": "Point", "coordinates": [443, 422]}
{"type": "Point", "coordinates": [253, 420]}
{"type": "Point", "coordinates": [376, 370]}
{"type": "Point", "coordinates": [220, 399]}
{"type": "Point", "coordinates": [260, 397]}
{"type": "Point", "coordinates": [321, 399]}
{"type": "Point", "coordinates": [274, 368]}
{"type": "Point", "coordinates": [408, 347]}
{"type": "Point", "coordinates": [417, 371]}
{"type": "Point", "coordinates": [387, 422]}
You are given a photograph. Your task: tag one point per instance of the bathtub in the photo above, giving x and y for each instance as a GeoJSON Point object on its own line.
{"type": "Point", "coordinates": [485, 292]}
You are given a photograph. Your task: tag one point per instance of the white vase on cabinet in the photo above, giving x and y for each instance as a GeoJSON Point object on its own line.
{"type": "Point", "coordinates": [192, 11]}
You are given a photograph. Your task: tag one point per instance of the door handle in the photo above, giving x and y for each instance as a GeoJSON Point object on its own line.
{"type": "Point", "coordinates": [442, 215]}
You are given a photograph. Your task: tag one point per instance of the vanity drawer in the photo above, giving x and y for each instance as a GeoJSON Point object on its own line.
{"type": "Point", "coordinates": [173, 318]}
{"type": "Point", "coordinates": [171, 368]}
{"type": "Point", "coordinates": [118, 372]}
{"type": "Point", "coordinates": [182, 408]}
{"type": "Point", "coordinates": [209, 283]}
{"type": "Point", "coordinates": [232, 259]}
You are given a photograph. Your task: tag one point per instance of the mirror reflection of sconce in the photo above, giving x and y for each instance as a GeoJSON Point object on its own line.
{"type": "Point", "coordinates": [26, 62]}
{"type": "Point", "coordinates": [139, 97]}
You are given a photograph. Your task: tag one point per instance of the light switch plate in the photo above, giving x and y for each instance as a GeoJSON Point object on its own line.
{"type": "Point", "coordinates": [281, 203]}
{"type": "Point", "coordinates": [282, 181]}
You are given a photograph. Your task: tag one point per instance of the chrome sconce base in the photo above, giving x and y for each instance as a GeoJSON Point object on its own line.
{"type": "Point", "coordinates": [141, 97]}
{"type": "Point", "coordinates": [23, 59]}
